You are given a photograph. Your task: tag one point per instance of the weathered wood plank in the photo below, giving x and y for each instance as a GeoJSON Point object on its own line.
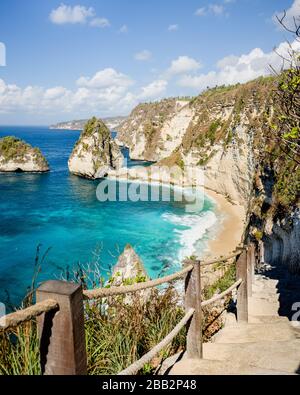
{"type": "Point", "coordinates": [62, 336]}
{"type": "Point", "coordinates": [242, 294]}
{"type": "Point", "coordinates": [194, 346]}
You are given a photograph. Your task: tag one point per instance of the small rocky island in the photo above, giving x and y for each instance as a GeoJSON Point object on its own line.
{"type": "Point", "coordinates": [95, 153]}
{"type": "Point", "coordinates": [129, 268]}
{"type": "Point", "coordinates": [18, 156]}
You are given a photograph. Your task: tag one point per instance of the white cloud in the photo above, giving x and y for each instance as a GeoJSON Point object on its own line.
{"type": "Point", "coordinates": [105, 91]}
{"type": "Point", "coordinates": [78, 14]}
{"type": "Point", "coordinates": [105, 78]}
{"type": "Point", "coordinates": [100, 22]}
{"type": "Point", "coordinates": [123, 29]}
{"type": "Point", "coordinates": [200, 11]}
{"type": "Point", "coordinates": [173, 28]}
{"type": "Point", "coordinates": [153, 90]}
{"type": "Point", "coordinates": [68, 14]}
{"type": "Point", "coordinates": [143, 55]}
{"type": "Point", "coordinates": [212, 9]}
{"type": "Point", "coordinates": [183, 64]}
{"type": "Point", "coordinates": [234, 69]}
{"type": "Point", "coordinates": [230, 60]}
{"type": "Point", "coordinates": [216, 9]}
{"type": "Point", "coordinates": [55, 93]}
{"type": "Point", "coordinates": [291, 13]}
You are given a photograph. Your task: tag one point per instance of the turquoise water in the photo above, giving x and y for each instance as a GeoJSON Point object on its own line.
{"type": "Point", "coordinates": [61, 212]}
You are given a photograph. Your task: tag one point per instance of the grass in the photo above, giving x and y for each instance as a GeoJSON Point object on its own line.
{"type": "Point", "coordinates": [126, 331]}
{"type": "Point", "coordinates": [222, 284]}
{"type": "Point", "coordinates": [19, 351]}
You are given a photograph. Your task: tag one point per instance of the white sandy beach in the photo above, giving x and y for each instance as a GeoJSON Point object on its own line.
{"type": "Point", "coordinates": [231, 228]}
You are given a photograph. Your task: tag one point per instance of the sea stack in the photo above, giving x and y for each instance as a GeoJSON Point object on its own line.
{"type": "Point", "coordinates": [18, 156]}
{"type": "Point", "coordinates": [128, 268]}
{"type": "Point", "coordinates": [95, 153]}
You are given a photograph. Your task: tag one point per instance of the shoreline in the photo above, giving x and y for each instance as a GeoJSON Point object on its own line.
{"type": "Point", "coordinates": [230, 229]}
{"type": "Point", "coordinates": [231, 220]}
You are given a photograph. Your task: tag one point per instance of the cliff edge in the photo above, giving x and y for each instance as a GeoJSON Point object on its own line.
{"type": "Point", "coordinates": [95, 153]}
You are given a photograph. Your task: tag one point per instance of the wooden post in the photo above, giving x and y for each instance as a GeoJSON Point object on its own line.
{"type": "Point", "coordinates": [253, 260]}
{"type": "Point", "coordinates": [194, 346]}
{"type": "Point", "coordinates": [249, 270]}
{"type": "Point", "coordinates": [242, 294]}
{"type": "Point", "coordinates": [62, 336]}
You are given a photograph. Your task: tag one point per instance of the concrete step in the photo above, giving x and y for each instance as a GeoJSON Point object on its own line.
{"type": "Point", "coordinates": [258, 306]}
{"type": "Point", "coordinates": [262, 319]}
{"type": "Point", "coordinates": [273, 297]}
{"type": "Point", "coordinates": [266, 282]}
{"type": "Point", "coordinates": [260, 288]}
{"type": "Point", "coordinates": [207, 367]}
{"type": "Point", "coordinates": [247, 333]}
{"type": "Point", "coordinates": [271, 355]}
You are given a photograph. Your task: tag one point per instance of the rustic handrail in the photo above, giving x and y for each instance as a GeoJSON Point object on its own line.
{"type": "Point", "coordinates": [122, 290]}
{"type": "Point", "coordinates": [20, 316]}
{"type": "Point", "coordinates": [14, 319]}
{"type": "Point", "coordinates": [138, 365]}
{"type": "Point", "coordinates": [227, 258]}
{"type": "Point", "coordinates": [222, 295]}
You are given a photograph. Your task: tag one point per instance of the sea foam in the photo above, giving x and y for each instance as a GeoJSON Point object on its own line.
{"type": "Point", "coordinates": [196, 227]}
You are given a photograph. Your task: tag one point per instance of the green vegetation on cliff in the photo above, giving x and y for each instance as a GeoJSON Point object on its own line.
{"type": "Point", "coordinates": [218, 112]}
{"type": "Point", "coordinates": [15, 149]}
{"type": "Point", "coordinates": [95, 124]}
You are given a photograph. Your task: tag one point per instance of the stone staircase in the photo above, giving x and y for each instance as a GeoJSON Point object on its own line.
{"type": "Point", "coordinates": [268, 344]}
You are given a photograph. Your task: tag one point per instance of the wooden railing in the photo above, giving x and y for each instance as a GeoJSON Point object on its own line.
{"type": "Point", "coordinates": [60, 314]}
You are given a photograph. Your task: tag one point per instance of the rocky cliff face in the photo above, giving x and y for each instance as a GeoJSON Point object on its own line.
{"type": "Point", "coordinates": [219, 132]}
{"type": "Point", "coordinates": [18, 156]}
{"type": "Point", "coordinates": [281, 241]}
{"type": "Point", "coordinates": [154, 130]}
{"type": "Point", "coordinates": [95, 153]}
{"type": "Point", "coordinates": [275, 228]}
{"type": "Point", "coordinates": [129, 268]}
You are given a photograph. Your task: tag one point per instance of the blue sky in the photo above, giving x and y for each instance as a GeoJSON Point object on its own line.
{"type": "Point", "coordinates": [78, 58]}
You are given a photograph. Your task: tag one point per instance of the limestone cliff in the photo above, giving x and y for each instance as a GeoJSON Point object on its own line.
{"type": "Point", "coordinates": [18, 156]}
{"type": "Point", "coordinates": [275, 227]}
{"type": "Point", "coordinates": [220, 132]}
{"type": "Point", "coordinates": [129, 268]}
{"type": "Point", "coordinates": [154, 130]}
{"type": "Point", "coordinates": [95, 153]}
{"type": "Point", "coordinates": [281, 241]}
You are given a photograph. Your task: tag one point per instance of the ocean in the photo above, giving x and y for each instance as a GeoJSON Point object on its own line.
{"type": "Point", "coordinates": [61, 213]}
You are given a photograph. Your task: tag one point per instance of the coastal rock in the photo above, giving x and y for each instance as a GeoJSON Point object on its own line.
{"type": "Point", "coordinates": [95, 153]}
{"type": "Point", "coordinates": [218, 132]}
{"type": "Point", "coordinates": [281, 241]}
{"type": "Point", "coordinates": [18, 156]}
{"type": "Point", "coordinates": [154, 130]}
{"type": "Point", "coordinates": [129, 268]}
